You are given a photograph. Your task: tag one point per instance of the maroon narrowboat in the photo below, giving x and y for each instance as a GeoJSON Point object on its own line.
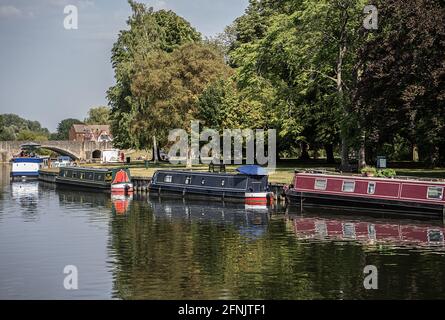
{"type": "Point", "coordinates": [417, 197]}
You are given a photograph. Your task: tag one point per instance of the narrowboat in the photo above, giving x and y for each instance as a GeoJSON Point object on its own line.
{"type": "Point", "coordinates": [117, 180]}
{"type": "Point", "coordinates": [250, 185]}
{"type": "Point", "coordinates": [25, 168]}
{"type": "Point", "coordinates": [407, 196]}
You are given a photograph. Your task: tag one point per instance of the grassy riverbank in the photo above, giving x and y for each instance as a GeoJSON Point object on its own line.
{"type": "Point", "coordinates": [283, 173]}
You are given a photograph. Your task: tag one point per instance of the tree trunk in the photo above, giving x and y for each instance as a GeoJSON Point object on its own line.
{"type": "Point", "coordinates": [344, 154]}
{"type": "Point", "coordinates": [362, 153]}
{"type": "Point", "coordinates": [415, 153]}
{"type": "Point", "coordinates": [304, 151]}
{"type": "Point", "coordinates": [329, 148]}
{"type": "Point", "coordinates": [155, 151]}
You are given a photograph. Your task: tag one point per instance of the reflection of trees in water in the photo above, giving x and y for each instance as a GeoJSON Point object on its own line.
{"type": "Point", "coordinates": [168, 255]}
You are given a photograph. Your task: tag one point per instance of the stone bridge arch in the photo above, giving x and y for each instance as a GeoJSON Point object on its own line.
{"type": "Point", "coordinates": [74, 149]}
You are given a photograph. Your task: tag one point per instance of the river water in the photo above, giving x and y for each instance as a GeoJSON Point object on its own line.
{"type": "Point", "coordinates": [149, 248]}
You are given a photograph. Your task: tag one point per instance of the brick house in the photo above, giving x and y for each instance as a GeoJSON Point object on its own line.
{"type": "Point", "coordinates": [84, 132]}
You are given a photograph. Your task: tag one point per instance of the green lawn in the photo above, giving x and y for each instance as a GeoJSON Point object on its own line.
{"type": "Point", "coordinates": [283, 173]}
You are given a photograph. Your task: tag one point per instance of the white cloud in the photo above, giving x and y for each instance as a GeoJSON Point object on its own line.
{"type": "Point", "coordinates": [7, 11]}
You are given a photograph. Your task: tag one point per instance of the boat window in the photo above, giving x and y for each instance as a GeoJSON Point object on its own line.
{"type": "Point", "coordinates": [74, 174]}
{"type": "Point", "coordinates": [371, 188]}
{"type": "Point", "coordinates": [63, 173]}
{"type": "Point", "coordinates": [99, 177]}
{"type": "Point", "coordinates": [348, 186]}
{"type": "Point", "coordinates": [435, 236]}
{"type": "Point", "coordinates": [320, 184]}
{"type": "Point", "coordinates": [435, 193]}
{"type": "Point", "coordinates": [168, 179]}
{"type": "Point", "coordinates": [69, 174]}
{"type": "Point", "coordinates": [223, 183]}
{"type": "Point", "coordinates": [82, 175]}
{"type": "Point", "coordinates": [188, 180]}
{"type": "Point", "coordinates": [90, 176]}
{"type": "Point", "coordinates": [203, 181]}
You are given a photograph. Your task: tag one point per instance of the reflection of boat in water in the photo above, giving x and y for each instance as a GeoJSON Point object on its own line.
{"type": "Point", "coordinates": [385, 231]}
{"type": "Point", "coordinates": [121, 203]}
{"type": "Point", "coordinates": [251, 222]}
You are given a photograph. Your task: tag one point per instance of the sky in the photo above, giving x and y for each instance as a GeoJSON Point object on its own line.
{"type": "Point", "coordinates": [49, 73]}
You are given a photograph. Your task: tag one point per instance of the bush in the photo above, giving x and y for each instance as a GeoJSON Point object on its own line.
{"type": "Point", "coordinates": [369, 171]}
{"type": "Point", "coordinates": [386, 173]}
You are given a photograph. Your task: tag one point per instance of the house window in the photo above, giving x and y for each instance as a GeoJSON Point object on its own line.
{"type": "Point", "coordinates": [348, 186]}
{"type": "Point", "coordinates": [371, 188]}
{"type": "Point", "coordinates": [320, 184]}
{"type": "Point", "coordinates": [435, 193]}
{"type": "Point", "coordinates": [168, 179]}
{"type": "Point", "coordinates": [188, 180]}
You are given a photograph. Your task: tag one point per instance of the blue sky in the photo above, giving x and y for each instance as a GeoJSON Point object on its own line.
{"type": "Point", "coordinates": [48, 73]}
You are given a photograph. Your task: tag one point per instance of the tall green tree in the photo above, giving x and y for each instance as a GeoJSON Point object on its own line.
{"type": "Point", "coordinates": [401, 88]}
{"type": "Point", "coordinates": [148, 32]}
{"type": "Point", "coordinates": [166, 87]}
{"type": "Point", "coordinates": [98, 115]}
{"type": "Point", "coordinates": [13, 125]}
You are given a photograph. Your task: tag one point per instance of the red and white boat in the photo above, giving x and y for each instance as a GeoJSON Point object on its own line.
{"type": "Point", "coordinates": [416, 197]}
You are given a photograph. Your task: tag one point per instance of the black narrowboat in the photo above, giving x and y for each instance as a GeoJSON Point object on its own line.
{"type": "Point", "coordinates": [249, 185]}
{"type": "Point", "coordinates": [117, 180]}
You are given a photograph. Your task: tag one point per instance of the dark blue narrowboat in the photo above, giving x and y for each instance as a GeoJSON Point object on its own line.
{"type": "Point", "coordinates": [249, 185]}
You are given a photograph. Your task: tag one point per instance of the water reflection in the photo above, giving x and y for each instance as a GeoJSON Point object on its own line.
{"type": "Point", "coordinates": [251, 221]}
{"type": "Point", "coordinates": [366, 231]}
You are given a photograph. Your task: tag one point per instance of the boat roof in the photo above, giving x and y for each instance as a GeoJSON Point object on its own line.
{"type": "Point", "coordinates": [28, 160]}
{"type": "Point", "coordinates": [203, 173]}
{"type": "Point", "coordinates": [357, 177]}
{"type": "Point", "coordinates": [252, 170]}
{"type": "Point", "coordinates": [86, 169]}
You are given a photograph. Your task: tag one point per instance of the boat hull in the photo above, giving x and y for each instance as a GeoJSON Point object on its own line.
{"type": "Point", "coordinates": [365, 204]}
{"type": "Point", "coordinates": [203, 193]}
{"type": "Point", "coordinates": [84, 184]}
